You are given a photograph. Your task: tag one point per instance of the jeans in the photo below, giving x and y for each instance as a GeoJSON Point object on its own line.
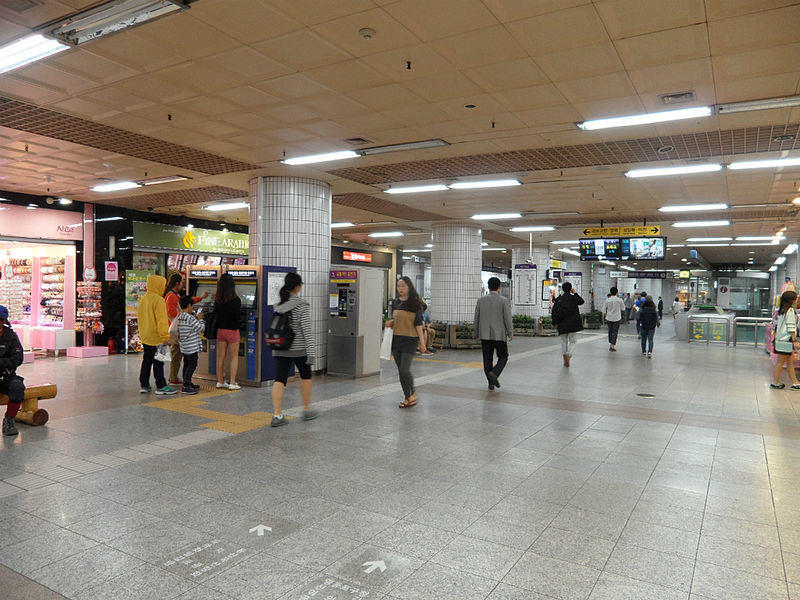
{"type": "Point", "coordinates": [488, 347]}
{"type": "Point", "coordinates": [189, 366]}
{"type": "Point", "coordinates": [147, 364]}
{"type": "Point", "coordinates": [403, 361]}
{"type": "Point", "coordinates": [568, 341]}
{"type": "Point", "coordinates": [628, 314]}
{"type": "Point", "coordinates": [14, 387]}
{"type": "Point", "coordinates": [613, 330]}
{"type": "Point", "coordinates": [175, 363]}
{"type": "Point", "coordinates": [647, 339]}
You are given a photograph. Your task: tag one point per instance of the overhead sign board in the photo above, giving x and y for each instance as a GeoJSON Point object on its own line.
{"type": "Point", "coordinates": [557, 264]}
{"type": "Point", "coordinates": [172, 237]}
{"type": "Point", "coordinates": [357, 256]}
{"type": "Point", "coordinates": [647, 274]}
{"type": "Point", "coordinates": [619, 274]}
{"type": "Point", "coordinates": [622, 231]}
{"type": "Point", "coordinates": [685, 274]}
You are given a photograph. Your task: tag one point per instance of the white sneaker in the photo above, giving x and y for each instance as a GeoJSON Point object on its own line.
{"type": "Point", "coordinates": [222, 386]}
{"type": "Point", "coordinates": [234, 386]}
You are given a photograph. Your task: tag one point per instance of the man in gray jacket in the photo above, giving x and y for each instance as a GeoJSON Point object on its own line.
{"type": "Point", "coordinates": [494, 327]}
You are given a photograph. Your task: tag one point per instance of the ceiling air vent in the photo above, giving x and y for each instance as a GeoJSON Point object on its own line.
{"type": "Point", "coordinates": [19, 6]}
{"type": "Point", "coordinates": [357, 141]}
{"type": "Point", "coordinates": [678, 98]}
{"type": "Point", "coordinates": [783, 138]}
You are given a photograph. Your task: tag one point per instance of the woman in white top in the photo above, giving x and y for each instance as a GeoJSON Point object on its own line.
{"type": "Point", "coordinates": [613, 310]}
{"type": "Point", "coordinates": [786, 333]}
{"type": "Point", "coordinates": [676, 307]}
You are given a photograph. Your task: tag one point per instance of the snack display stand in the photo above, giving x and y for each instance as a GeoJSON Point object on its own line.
{"type": "Point", "coordinates": [88, 320]}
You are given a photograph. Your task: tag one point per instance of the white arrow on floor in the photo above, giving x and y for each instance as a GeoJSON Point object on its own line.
{"type": "Point", "coordinates": [374, 564]}
{"type": "Point", "coordinates": [260, 529]}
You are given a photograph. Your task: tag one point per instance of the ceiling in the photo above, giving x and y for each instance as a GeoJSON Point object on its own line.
{"type": "Point", "coordinates": [221, 92]}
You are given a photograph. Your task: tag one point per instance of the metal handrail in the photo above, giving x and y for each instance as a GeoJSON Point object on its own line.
{"type": "Point", "coordinates": [755, 322]}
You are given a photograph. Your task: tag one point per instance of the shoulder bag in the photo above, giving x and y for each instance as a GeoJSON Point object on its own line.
{"type": "Point", "coordinates": [785, 346]}
{"type": "Point", "coordinates": [210, 332]}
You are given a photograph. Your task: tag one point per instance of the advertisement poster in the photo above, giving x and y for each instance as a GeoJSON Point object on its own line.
{"type": "Point", "coordinates": [112, 270]}
{"type": "Point", "coordinates": [135, 288]}
{"type": "Point", "coordinates": [549, 291]}
{"type": "Point", "coordinates": [274, 285]}
{"type": "Point", "coordinates": [576, 279]}
{"type": "Point", "coordinates": [525, 285]}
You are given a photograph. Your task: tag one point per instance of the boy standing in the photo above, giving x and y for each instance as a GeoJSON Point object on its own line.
{"type": "Point", "coordinates": [190, 328]}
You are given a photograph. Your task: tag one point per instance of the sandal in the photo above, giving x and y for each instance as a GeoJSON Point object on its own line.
{"type": "Point", "coordinates": [409, 402]}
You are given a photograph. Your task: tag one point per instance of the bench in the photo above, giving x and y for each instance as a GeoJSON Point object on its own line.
{"type": "Point", "coordinates": [30, 412]}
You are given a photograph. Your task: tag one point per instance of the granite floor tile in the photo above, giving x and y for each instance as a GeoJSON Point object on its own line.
{"type": "Point", "coordinates": [374, 568]}
{"type": "Point", "coordinates": [516, 534]}
{"type": "Point", "coordinates": [720, 583]}
{"type": "Point", "coordinates": [261, 576]}
{"type": "Point", "coordinates": [573, 547]}
{"type": "Point", "coordinates": [662, 539]}
{"type": "Point", "coordinates": [479, 557]}
{"type": "Point", "coordinates": [437, 582]}
{"type": "Point", "coordinates": [590, 523]}
{"type": "Point", "coordinates": [36, 552]}
{"type": "Point", "coordinates": [413, 539]}
{"type": "Point", "coordinates": [615, 587]}
{"type": "Point", "coordinates": [508, 592]}
{"type": "Point", "coordinates": [356, 523]}
{"type": "Point", "coordinates": [667, 570]}
{"type": "Point", "coordinates": [729, 553]}
{"type": "Point", "coordinates": [552, 577]}
{"type": "Point", "coordinates": [444, 516]}
{"type": "Point", "coordinates": [312, 548]}
{"type": "Point", "coordinates": [143, 583]}
{"type": "Point", "coordinates": [738, 530]}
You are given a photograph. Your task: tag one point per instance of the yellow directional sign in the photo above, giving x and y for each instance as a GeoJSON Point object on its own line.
{"type": "Point", "coordinates": [639, 231]}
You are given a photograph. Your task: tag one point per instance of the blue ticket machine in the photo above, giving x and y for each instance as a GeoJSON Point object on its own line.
{"type": "Point", "coordinates": [271, 282]}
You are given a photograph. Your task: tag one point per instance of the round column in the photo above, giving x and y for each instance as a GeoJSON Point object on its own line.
{"type": "Point", "coordinates": [290, 226]}
{"type": "Point", "coordinates": [456, 272]}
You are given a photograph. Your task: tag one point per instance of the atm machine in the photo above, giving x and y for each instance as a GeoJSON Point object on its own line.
{"type": "Point", "coordinates": [201, 279]}
{"type": "Point", "coordinates": [249, 290]}
{"type": "Point", "coordinates": [354, 322]}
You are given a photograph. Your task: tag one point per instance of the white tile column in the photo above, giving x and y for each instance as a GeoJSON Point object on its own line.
{"type": "Point", "coordinates": [290, 226]}
{"type": "Point", "coordinates": [456, 276]}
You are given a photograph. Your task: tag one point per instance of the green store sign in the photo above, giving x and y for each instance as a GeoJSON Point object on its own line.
{"type": "Point", "coordinates": [173, 237]}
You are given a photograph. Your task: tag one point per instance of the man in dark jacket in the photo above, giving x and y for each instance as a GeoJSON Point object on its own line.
{"type": "Point", "coordinates": [10, 383]}
{"type": "Point", "coordinates": [567, 319]}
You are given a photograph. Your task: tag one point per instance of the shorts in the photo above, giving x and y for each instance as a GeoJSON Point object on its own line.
{"type": "Point", "coordinates": [284, 363]}
{"type": "Point", "coordinates": [229, 336]}
{"type": "Point", "coordinates": [781, 353]}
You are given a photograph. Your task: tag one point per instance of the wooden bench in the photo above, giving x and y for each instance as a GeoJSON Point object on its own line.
{"type": "Point", "coordinates": [30, 412]}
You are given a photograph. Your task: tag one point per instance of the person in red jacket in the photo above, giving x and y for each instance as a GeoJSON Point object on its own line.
{"type": "Point", "coordinates": [172, 297]}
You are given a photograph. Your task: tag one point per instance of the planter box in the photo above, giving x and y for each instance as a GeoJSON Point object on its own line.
{"type": "Point", "coordinates": [548, 332]}
{"type": "Point", "coordinates": [528, 331]}
{"type": "Point", "coordinates": [466, 344]}
{"type": "Point", "coordinates": [594, 325]}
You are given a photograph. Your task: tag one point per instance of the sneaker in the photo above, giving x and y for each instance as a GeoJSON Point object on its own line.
{"type": "Point", "coordinates": [145, 390]}
{"type": "Point", "coordinates": [612, 349]}
{"type": "Point", "coordinates": [644, 353]}
{"type": "Point", "coordinates": [796, 386]}
{"type": "Point", "coordinates": [176, 382]}
{"type": "Point", "coordinates": [9, 426]}
{"type": "Point", "coordinates": [649, 355]}
{"type": "Point", "coordinates": [194, 386]}
{"type": "Point", "coordinates": [188, 390]}
{"type": "Point", "coordinates": [491, 387]}
{"type": "Point", "coordinates": [493, 379]}
{"type": "Point", "coordinates": [777, 386]}
{"type": "Point", "coordinates": [310, 414]}
{"type": "Point", "coordinates": [166, 391]}
{"type": "Point", "coordinates": [222, 386]}
{"type": "Point", "coordinates": [278, 421]}
{"type": "Point", "coordinates": [234, 386]}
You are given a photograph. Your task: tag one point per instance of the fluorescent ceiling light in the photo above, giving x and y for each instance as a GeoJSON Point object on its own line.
{"type": "Point", "coordinates": [437, 187]}
{"type": "Point", "coordinates": [759, 238]}
{"type": "Point", "coordinates": [685, 170]}
{"type": "Point", "coordinates": [692, 207]}
{"type": "Point", "coordinates": [493, 249]}
{"type": "Point", "coordinates": [112, 17]}
{"type": "Point", "coordinates": [773, 268]}
{"type": "Point", "coordinates": [568, 251]}
{"type": "Point", "coordinates": [318, 158]}
{"type": "Point", "coordinates": [720, 223]}
{"type": "Point", "coordinates": [711, 245]}
{"type": "Point", "coordinates": [107, 219]}
{"type": "Point", "coordinates": [647, 118]}
{"type": "Point", "coordinates": [496, 216]}
{"type": "Point", "coordinates": [386, 234]}
{"type": "Point", "coordinates": [64, 201]}
{"type": "Point", "coordinates": [675, 245]}
{"type": "Point", "coordinates": [734, 107]}
{"type": "Point", "coordinates": [780, 260]}
{"type": "Point", "coordinates": [431, 245]}
{"type": "Point", "coordinates": [475, 185]}
{"type": "Point", "coordinates": [749, 244]}
{"type": "Point", "coordinates": [790, 249]}
{"type": "Point", "coordinates": [227, 206]}
{"type": "Point", "coordinates": [709, 239]}
{"type": "Point", "coordinates": [165, 179]}
{"type": "Point", "coordinates": [565, 242]}
{"type": "Point", "coordinates": [627, 268]}
{"type": "Point", "coordinates": [27, 50]}
{"type": "Point", "coordinates": [608, 262]}
{"type": "Point", "coordinates": [765, 164]}
{"type": "Point", "coordinates": [340, 225]}
{"type": "Point", "coordinates": [116, 187]}
{"type": "Point", "coordinates": [32, 206]}
{"type": "Point", "coordinates": [533, 228]}
{"type": "Point", "coordinates": [400, 147]}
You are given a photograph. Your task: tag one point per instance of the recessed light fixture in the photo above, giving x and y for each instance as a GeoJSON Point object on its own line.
{"type": "Point", "coordinates": [493, 249]}
{"type": "Point", "coordinates": [475, 185]}
{"type": "Point", "coordinates": [692, 207]}
{"type": "Point", "coordinates": [496, 216]}
{"type": "Point", "coordinates": [765, 164]}
{"type": "Point", "coordinates": [796, 200]}
{"type": "Point", "coordinates": [64, 201]}
{"type": "Point", "coordinates": [431, 245]}
{"type": "Point", "coordinates": [318, 158]}
{"type": "Point", "coordinates": [647, 118]}
{"type": "Point", "coordinates": [533, 228]}
{"type": "Point", "coordinates": [32, 206]}
{"type": "Point", "coordinates": [437, 143]}
{"type": "Point", "coordinates": [438, 187]}
{"type": "Point", "coordinates": [340, 225]}
{"type": "Point", "coordinates": [709, 239]}
{"type": "Point", "coordinates": [759, 238]}
{"type": "Point", "coordinates": [627, 268]}
{"type": "Point", "coordinates": [720, 223]}
{"type": "Point", "coordinates": [190, 226]}
{"type": "Point", "coordinates": [470, 106]}
{"type": "Point", "coordinates": [116, 186]}
{"type": "Point", "coordinates": [386, 234]}
{"type": "Point", "coordinates": [565, 242]}
{"type": "Point", "coordinates": [662, 171]}
{"type": "Point", "coordinates": [766, 104]}
{"type": "Point", "coordinates": [675, 245]}
{"type": "Point", "coordinates": [165, 179]}
{"type": "Point", "coordinates": [772, 269]}
{"type": "Point", "coordinates": [790, 249]}
{"type": "Point", "coordinates": [227, 206]}
{"type": "Point", "coordinates": [27, 50]}
{"type": "Point", "coordinates": [750, 244]}
{"type": "Point", "coordinates": [711, 245]}
{"type": "Point", "coordinates": [780, 260]}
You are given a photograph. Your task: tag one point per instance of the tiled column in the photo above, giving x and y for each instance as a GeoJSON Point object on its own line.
{"type": "Point", "coordinates": [290, 226]}
{"type": "Point", "coordinates": [456, 277]}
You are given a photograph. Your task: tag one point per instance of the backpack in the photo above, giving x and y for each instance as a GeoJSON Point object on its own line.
{"type": "Point", "coordinates": [279, 334]}
{"type": "Point", "coordinates": [558, 312]}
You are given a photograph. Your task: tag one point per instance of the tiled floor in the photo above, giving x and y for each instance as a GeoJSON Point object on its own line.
{"type": "Point", "coordinates": [619, 478]}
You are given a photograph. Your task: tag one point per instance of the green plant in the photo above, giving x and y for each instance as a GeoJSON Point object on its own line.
{"type": "Point", "coordinates": [594, 316]}
{"type": "Point", "coordinates": [465, 332]}
{"type": "Point", "coordinates": [546, 322]}
{"type": "Point", "coordinates": [523, 321]}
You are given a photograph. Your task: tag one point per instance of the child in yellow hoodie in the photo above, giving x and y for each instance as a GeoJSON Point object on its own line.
{"type": "Point", "coordinates": [153, 330]}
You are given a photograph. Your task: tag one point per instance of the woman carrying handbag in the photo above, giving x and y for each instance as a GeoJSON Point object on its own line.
{"type": "Point", "coordinates": [785, 341]}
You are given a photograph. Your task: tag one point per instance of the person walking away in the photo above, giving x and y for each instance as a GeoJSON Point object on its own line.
{"type": "Point", "coordinates": [613, 309]}
{"type": "Point", "coordinates": [660, 308]}
{"type": "Point", "coordinates": [301, 352]}
{"type": "Point", "coordinates": [172, 297]}
{"type": "Point", "coordinates": [637, 306]}
{"type": "Point", "coordinates": [228, 308]}
{"type": "Point", "coordinates": [628, 307]}
{"type": "Point", "coordinates": [676, 307]}
{"type": "Point", "coordinates": [190, 330]}
{"type": "Point", "coordinates": [647, 319]}
{"type": "Point", "coordinates": [427, 329]}
{"type": "Point", "coordinates": [567, 319]}
{"type": "Point", "coordinates": [495, 328]}
{"type": "Point", "coordinates": [785, 330]}
{"type": "Point", "coordinates": [11, 384]}
{"type": "Point", "coordinates": [408, 335]}
{"type": "Point", "coordinates": [153, 330]}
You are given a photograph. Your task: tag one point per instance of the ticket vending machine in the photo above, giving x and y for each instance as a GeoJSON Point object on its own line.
{"type": "Point", "coordinates": [201, 279]}
{"type": "Point", "coordinates": [354, 322]}
{"type": "Point", "coordinates": [249, 290]}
